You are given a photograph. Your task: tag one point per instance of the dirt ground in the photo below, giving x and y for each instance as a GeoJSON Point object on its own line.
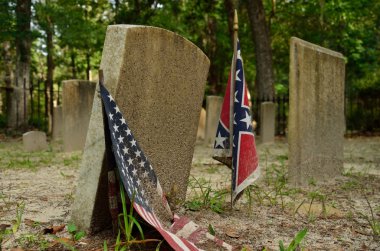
{"type": "Point", "coordinates": [37, 190]}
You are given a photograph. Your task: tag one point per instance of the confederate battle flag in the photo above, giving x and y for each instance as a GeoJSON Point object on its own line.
{"type": "Point", "coordinates": [243, 158]}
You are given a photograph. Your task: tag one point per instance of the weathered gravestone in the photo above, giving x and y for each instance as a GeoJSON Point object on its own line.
{"type": "Point", "coordinates": [57, 123]}
{"type": "Point", "coordinates": [316, 113]}
{"type": "Point", "coordinates": [213, 108]}
{"type": "Point", "coordinates": [157, 78]}
{"type": "Point", "coordinates": [202, 125]}
{"type": "Point", "coordinates": [77, 98]}
{"type": "Point", "coordinates": [34, 141]}
{"type": "Point", "coordinates": [267, 119]}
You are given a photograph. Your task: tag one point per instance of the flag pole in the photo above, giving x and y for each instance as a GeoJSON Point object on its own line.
{"type": "Point", "coordinates": [232, 91]}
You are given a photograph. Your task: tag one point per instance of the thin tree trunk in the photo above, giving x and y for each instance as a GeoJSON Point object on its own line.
{"type": "Point", "coordinates": [229, 6]}
{"type": "Point", "coordinates": [211, 48]}
{"type": "Point", "coordinates": [263, 50]}
{"type": "Point", "coordinates": [49, 77]}
{"type": "Point", "coordinates": [8, 79]}
{"type": "Point", "coordinates": [88, 68]}
{"type": "Point", "coordinates": [73, 65]}
{"type": "Point", "coordinates": [23, 45]}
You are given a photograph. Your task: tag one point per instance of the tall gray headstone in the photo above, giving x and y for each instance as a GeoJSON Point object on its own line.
{"type": "Point", "coordinates": [57, 123]}
{"type": "Point", "coordinates": [267, 119]}
{"type": "Point", "coordinates": [157, 78]}
{"type": "Point", "coordinates": [77, 98]}
{"type": "Point", "coordinates": [213, 108]}
{"type": "Point", "coordinates": [316, 113]}
{"type": "Point", "coordinates": [202, 125]}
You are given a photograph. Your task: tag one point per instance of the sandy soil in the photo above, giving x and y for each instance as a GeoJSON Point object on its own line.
{"type": "Point", "coordinates": [335, 214]}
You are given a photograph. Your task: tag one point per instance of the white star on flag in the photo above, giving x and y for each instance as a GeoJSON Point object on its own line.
{"type": "Point", "coordinates": [133, 142]}
{"type": "Point", "coordinates": [130, 161]}
{"type": "Point", "coordinates": [125, 150]}
{"type": "Point", "coordinates": [120, 139]}
{"type": "Point", "coordinates": [134, 171]}
{"type": "Point", "coordinates": [219, 141]}
{"type": "Point", "coordinates": [115, 128]}
{"type": "Point", "coordinates": [247, 119]}
{"type": "Point", "coordinates": [237, 77]}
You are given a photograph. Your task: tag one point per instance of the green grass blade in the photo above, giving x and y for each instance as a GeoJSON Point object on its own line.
{"type": "Point", "coordinates": [138, 226]}
{"type": "Point", "coordinates": [297, 239]}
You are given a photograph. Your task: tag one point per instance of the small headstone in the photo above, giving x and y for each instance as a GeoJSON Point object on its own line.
{"type": "Point", "coordinates": [316, 113]}
{"type": "Point", "coordinates": [157, 79]}
{"type": "Point", "coordinates": [202, 125]}
{"type": "Point", "coordinates": [77, 98]}
{"type": "Point", "coordinates": [57, 123]}
{"type": "Point", "coordinates": [34, 141]}
{"type": "Point", "coordinates": [213, 108]}
{"type": "Point", "coordinates": [267, 119]}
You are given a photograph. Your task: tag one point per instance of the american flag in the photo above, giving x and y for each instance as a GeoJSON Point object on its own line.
{"type": "Point", "coordinates": [243, 160]}
{"type": "Point", "coordinates": [144, 189]}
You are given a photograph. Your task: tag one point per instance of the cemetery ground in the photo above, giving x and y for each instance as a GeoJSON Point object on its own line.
{"type": "Point", "coordinates": [37, 190]}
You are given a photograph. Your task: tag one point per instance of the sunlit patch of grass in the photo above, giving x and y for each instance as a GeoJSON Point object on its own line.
{"type": "Point", "coordinates": [14, 157]}
{"type": "Point", "coordinates": [72, 160]}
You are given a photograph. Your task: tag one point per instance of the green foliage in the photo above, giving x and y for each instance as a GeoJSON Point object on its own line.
{"type": "Point", "coordinates": [79, 26]}
{"type": "Point", "coordinates": [19, 213]}
{"type": "Point", "coordinates": [127, 223]}
{"type": "Point", "coordinates": [211, 230]}
{"type": "Point", "coordinates": [3, 121]}
{"type": "Point", "coordinates": [76, 235]}
{"type": "Point", "coordinates": [295, 242]}
{"type": "Point", "coordinates": [373, 221]}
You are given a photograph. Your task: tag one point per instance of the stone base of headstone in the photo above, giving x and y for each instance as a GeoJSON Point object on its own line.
{"type": "Point", "coordinates": [316, 113]}
{"type": "Point", "coordinates": [34, 141]}
{"type": "Point", "coordinates": [57, 123]}
{"type": "Point", "coordinates": [202, 125]}
{"type": "Point", "coordinates": [267, 119]}
{"type": "Point", "coordinates": [213, 109]}
{"type": "Point", "coordinates": [77, 98]}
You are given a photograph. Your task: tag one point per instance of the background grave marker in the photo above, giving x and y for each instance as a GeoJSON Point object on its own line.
{"type": "Point", "coordinates": [316, 112]}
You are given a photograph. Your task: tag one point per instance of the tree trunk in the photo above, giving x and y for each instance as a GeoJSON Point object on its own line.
{"type": "Point", "coordinates": [229, 6]}
{"type": "Point", "coordinates": [23, 44]}
{"type": "Point", "coordinates": [8, 108]}
{"type": "Point", "coordinates": [88, 68]}
{"type": "Point", "coordinates": [73, 65]}
{"type": "Point", "coordinates": [49, 77]}
{"type": "Point", "coordinates": [211, 48]}
{"type": "Point", "coordinates": [263, 50]}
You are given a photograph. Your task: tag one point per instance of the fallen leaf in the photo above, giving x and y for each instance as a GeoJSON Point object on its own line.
{"type": "Point", "coordinates": [30, 223]}
{"type": "Point", "coordinates": [54, 229]}
{"type": "Point", "coordinates": [232, 233]}
{"type": "Point", "coordinates": [60, 241]}
{"type": "Point", "coordinates": [4, 226]}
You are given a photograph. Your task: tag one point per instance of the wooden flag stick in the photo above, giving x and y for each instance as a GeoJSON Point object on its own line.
{"type": "Point", "coordinates": [233, 78]}
{"type": "Point", "coordinates": [232, 92]}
